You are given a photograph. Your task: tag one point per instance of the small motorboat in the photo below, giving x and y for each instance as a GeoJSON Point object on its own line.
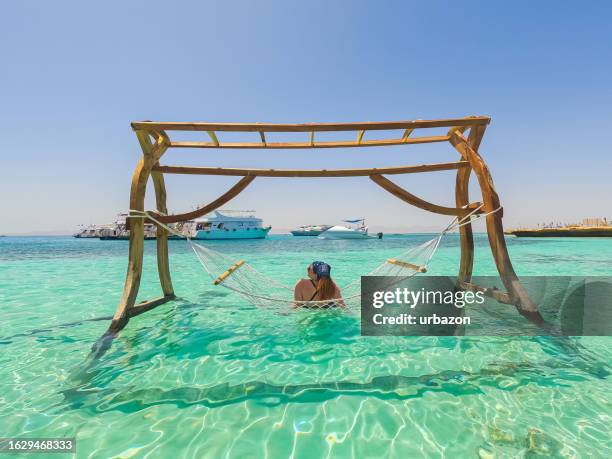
{"type": "Point", "coordinates": [310, 230]}
{"type": "Point", "coordinates": [358, 230]}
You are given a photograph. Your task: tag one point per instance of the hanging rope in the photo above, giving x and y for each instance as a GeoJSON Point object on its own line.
{"type": "Point", "coordinates": [264, 291]}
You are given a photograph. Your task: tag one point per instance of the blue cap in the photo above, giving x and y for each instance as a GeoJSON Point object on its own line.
{"type": "Point", "coordinates": [321, 269]}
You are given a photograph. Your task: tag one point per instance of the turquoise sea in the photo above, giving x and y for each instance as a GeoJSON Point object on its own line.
{"type": "Point", "coordinates": [209, 375]}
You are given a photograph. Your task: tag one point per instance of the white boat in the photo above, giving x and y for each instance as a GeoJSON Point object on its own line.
{"type": "Point", "coordinates": [91, 231]}
{"type": "Point", "coordinates": [228, 224]}
{"type": "Point", "coordinates": [118, 230]}
{"type": "Point", "coordinates": [85, 232]}
{"type": "Point", "coordinates": [310, 230]}
{"type": "Point", "coordinates": [357, 230]}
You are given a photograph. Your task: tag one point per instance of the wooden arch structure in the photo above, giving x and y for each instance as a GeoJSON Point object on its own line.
{"type": "Point", "coordinates": [464, 134]}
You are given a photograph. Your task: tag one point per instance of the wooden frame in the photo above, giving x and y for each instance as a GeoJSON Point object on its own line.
{"type": "Point", "coordinates": [154, 141]}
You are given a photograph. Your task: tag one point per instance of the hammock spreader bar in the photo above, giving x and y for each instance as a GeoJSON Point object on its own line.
{"type": "Point", "coordinates": [405, 264]}
{"type": "Point", "coordinates": [228, 273]}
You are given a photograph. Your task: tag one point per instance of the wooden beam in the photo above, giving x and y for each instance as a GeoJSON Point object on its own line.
{"type": "Point", "coordinates": [466, 235]}
{"type": "Point", "coordinates": [160, 138]}
{"type": "Point", "coordinates": [311, 144]}
{"type": "Point", "coordinates": [308, 173]}
{"type": "Point", "coordinates": [147, 305]}
{"type": "Point", "coordinates": [221, 200]}
{"type": "Point", "coordinates": [213, 137]}
{"type": "Point", "coordinates": [404, 195]}
{"type": "Point", "coordinates": [489, 194]}
{"type": "Point", "coordinates": [310, 127]}
{"type": "Point", "coordinates": [495, 229]}
{"type": "Point", "coordinates": [475, 136]}
{"type": "Point", "coordinates": [163, 261]}
{"type": "Point", "coordinates": [407, 133]}
{"type": "Point", "coordinates": [150, 156]}
{"type": "Point", "coordinates": [360, 136]}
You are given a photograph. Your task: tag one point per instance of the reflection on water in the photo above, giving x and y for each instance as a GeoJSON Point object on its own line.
{"type": "Point", "coordinates": [212, 376]}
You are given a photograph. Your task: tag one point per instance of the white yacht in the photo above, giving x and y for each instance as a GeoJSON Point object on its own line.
{"type": "Point", "coordinates": [356, 230]}
{"type": "Point", "coordinates": [228, 224]}
{"type": "Point", "coordinates": [310, 230]}
{"type": "Point", "coordinates": [119, 231]}
{"type": "Point", "coordinates": [90, 231]}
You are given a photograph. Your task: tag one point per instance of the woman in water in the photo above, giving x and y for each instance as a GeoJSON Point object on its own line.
{"type": "Point", "coordinates": [318, 287]}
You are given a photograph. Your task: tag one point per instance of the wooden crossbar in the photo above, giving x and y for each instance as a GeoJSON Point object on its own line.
{"type": "Point", "coordinates": [407, 133]}
{"type": "Point", "coordinates": [360, 136]}
{"type": "Point", "coordinates": [311, 143]}
{"type": "Point", "coordinates": [238, 172]}
{"type": "Point", "coordinates": [311, 127]}
{"type": "Point", "coordinates": [404, 195]}
{"type": "Point", "coordinates": [147, 305]}
{"type": "Point", "coordinates": [227, 273]}
{"type": "Point", "coordinates": [213, 137]}
{"type": "Point", "coordinates": [405, 264]}
{"type": "Point", "coordinates": [217, 203]}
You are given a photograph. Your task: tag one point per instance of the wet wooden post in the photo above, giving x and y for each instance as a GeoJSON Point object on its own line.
{"type": "Point", "coordinates": [150, 156]}
{"type": "Point", "coordinates": [462, 198]}
{"type": "Point", "coordinates": [163, 262]}
{"type": "Point", "coordinates": [495, 230]}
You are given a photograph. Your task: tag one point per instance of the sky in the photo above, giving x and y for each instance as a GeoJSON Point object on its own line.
{"type": "Point", "coordinates": [73, 75]}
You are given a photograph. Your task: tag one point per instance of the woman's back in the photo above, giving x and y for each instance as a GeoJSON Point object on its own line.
{"type": "Point", "coordinates": [306, 290]}
{"type": "Point", "coordinates": [318, 287]}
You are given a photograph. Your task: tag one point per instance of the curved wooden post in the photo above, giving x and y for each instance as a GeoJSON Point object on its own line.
{"type": "Point", "coordinates": [405, 196]}
{"type": "Point", "coordinates": [495, 230]}
{"type": "Point", "coordinates": [466, 237]}
{"type": "Point", "coordinates": [462, 198]}
{"type": "Point", "coordinates": [151, 154]}
{"type": "Point", "coordinates": [163, 262]}
{"type": "Point", "coordinates": [224, 198]}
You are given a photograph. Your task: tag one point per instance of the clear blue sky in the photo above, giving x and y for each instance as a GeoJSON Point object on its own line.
{"type": "Point", "coordinates": [74, 74]}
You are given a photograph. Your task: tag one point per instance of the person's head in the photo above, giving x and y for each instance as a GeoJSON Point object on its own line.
{"type": "Point", "coordinates": [318, 269]}
{"type": "Point", "coordinates": [320, 272]}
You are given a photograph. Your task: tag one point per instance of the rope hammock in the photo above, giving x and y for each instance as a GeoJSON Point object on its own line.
{"type": "Point", "coordinates": [264, 291]}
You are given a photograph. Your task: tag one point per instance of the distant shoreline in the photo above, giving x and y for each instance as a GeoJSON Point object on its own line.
{"type": "Point", "coordinates": [271, 234]}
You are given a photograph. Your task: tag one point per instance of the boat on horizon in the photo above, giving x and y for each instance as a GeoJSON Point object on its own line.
{"type": "Point", "coordinates": [89, 231]}
{"type": "Point", "coordinates": [223, 224]}
{"type": "Point", "coordinates": [310, 230]}
{"type": "Point", "coordinates": [226, 224]}
{"type": "Point", "coordinates": [357, 229]}
{"type": "Point", "coordinates": [118, 230]}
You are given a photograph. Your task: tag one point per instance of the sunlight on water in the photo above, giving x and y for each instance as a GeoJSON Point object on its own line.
{"type": "Point", "coordinates": [211, 376]}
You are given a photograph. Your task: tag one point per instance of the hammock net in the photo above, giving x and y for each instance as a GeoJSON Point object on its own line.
{"type": "Point", "coordinates": [264, 291]}
{"type": "Point", "coordinates": [242, 278]}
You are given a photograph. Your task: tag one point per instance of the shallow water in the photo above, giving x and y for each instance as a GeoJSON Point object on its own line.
{"type": "Point", "coordinates": [208, 375]}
